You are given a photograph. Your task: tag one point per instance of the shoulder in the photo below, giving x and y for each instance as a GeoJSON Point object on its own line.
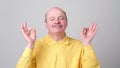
{"type": "Point", "coordinates": [38, 44]}
{"type": "Point", "coordinates": [74, 41]}
{"type": "Point", "coordinates": [39, 41]}
{"type": "Point", "coordinates": [76, 44]}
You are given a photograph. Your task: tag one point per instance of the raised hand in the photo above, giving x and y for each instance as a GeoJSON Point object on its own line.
{"type": "Point", "coordinates": [29, 34]}
{"type": "Point", "coordinates": [88, 34]}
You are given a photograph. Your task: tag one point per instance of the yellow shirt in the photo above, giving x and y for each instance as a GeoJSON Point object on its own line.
{"type": "Point", "coordinates": [68, 53]}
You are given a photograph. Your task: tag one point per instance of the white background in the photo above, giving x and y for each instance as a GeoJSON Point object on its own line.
{"type": "Point", "coordinates": [81, 13]}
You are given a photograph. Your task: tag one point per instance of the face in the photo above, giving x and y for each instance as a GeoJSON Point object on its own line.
{"type": "Point", "coordinates": [56, 21]}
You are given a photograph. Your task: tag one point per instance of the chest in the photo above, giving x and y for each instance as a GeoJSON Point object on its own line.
{"type": "Point", "coordinates": [58, 56]}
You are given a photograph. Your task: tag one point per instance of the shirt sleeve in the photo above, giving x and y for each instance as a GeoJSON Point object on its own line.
{"type": "Point", "coordinates": [89, 59]}
{"type": "Point", "coordinates": [26, 60]}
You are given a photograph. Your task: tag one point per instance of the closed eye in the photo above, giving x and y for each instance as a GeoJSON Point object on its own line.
{"type": "Point", "coordinates": [51, 18]}
{"type": "Point", "coordinates": [61, 18]}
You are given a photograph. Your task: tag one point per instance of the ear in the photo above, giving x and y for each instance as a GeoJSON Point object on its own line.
{"type": "Point", "coordinates": [66, 24]}
{"type": "Point", "coordinates": [46, 24]}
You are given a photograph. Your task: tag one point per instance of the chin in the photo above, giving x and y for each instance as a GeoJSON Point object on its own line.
{"type": "Point", "coordinates": [58, 32]}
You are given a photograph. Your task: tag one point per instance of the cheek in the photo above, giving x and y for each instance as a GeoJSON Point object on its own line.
{"type": "Point", "coordinates": [49, 26]}
{"type": "Point", "coordinates": [64, 24]}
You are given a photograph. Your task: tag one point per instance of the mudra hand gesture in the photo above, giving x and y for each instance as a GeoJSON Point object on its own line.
{"type": "Point", "coordinates": [29, 35]}
{"type": "Point", "coordinates": [88, 34]}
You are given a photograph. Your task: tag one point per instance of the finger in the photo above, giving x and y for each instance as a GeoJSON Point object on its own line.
{"type": "Point", "coordinates": [94, 28]}
{"type": "Point", "coordinates": [91, 26]}
{"type": "Point", "coordinates": [25, 25]}
{"type": "Point", "coordinates": [29, 29]}
{"type": "Point", "coordinates": [34, 32]}
{"type": "Point", "coordinates": [84, 31]}
{"type": "Point", "coordinates": [95, 31]}
{"type": "Point", "coordinates": [82, 35]}
{"type": "Point", "coordinates": [22, 28]}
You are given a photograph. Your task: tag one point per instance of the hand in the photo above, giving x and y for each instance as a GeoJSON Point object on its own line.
{"type": "Point", "coordinates": [29, 34]}
{"type": "Point", "coordinates": [88, 34]}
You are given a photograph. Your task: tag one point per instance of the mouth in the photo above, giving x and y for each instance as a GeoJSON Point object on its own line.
{"type": "Point", "coordinates": [57, 26]}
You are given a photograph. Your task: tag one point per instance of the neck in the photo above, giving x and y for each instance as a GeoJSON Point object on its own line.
{"type": "Point", "coordinates": [57, 36]}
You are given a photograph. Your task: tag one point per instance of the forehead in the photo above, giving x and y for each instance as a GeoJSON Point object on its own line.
{"type": "Point", "coordinates": [55, 12]}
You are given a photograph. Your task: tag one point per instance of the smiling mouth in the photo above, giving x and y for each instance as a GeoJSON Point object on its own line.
{"type": "Point", "coordinates": [57, 25]}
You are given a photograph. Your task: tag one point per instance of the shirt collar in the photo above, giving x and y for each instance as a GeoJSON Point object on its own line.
{"type": "Point", "coordinates": [52, 42]}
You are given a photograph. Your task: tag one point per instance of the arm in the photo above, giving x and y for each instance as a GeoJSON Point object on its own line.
{"type": "Point", "coordinates": [27, 60]}
{"type": "Point", "coordinates": [89, 59]}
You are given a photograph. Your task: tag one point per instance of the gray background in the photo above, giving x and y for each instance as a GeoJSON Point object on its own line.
{"type": "Point", "coordinates": [105, 13]}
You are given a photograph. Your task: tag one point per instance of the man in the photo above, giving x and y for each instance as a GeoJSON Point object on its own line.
{"type": "Point", "coordinates": [57, 50]}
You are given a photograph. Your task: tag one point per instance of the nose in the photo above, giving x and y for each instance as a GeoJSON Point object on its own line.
{"type": "Point", "coordinates": [57, 21]}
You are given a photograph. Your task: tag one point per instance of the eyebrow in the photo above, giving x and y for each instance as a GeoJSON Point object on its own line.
{"type": "Point", "coordinates": [51, 17]}
{"type": "Point", "coordinates": [54, 17]}
{"type": "Point", "coordinates": [61, 16]}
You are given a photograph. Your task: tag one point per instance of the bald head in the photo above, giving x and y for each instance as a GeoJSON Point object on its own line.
{"type": "Point", "coordinates": [55, 10]}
